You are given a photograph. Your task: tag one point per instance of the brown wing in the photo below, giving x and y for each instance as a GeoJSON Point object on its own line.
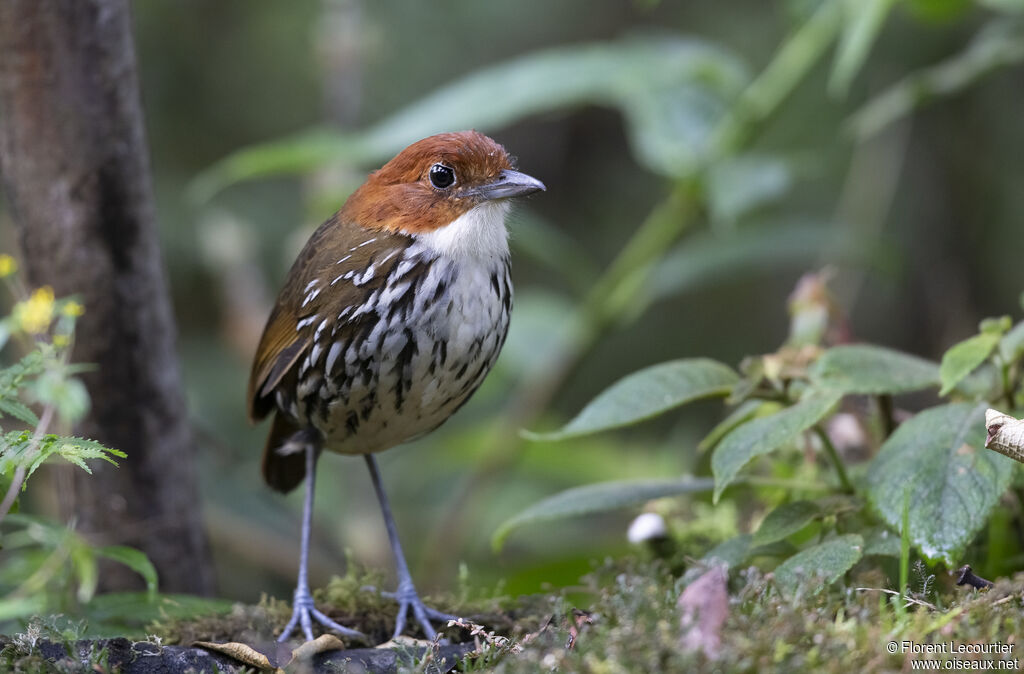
{"type": "Point", "coordinates": [330, 274]}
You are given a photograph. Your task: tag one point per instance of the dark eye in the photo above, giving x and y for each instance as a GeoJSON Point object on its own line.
{"type": "Point", "coordinates": [442, 176]}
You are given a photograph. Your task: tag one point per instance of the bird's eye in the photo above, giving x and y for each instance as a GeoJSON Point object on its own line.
{"type": "Point", "coordinates": [442, 176]}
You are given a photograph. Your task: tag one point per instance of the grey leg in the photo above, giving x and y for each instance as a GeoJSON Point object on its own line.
{"type": "Point", "coordinates": [303, 611]}
{"type": "Point", "coordinates": [406, 595]}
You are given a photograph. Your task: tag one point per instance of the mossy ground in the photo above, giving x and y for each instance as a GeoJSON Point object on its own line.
{"type": "Point", "coordinates": [632, 624]}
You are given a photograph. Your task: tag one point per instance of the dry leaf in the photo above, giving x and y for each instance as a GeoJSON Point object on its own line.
{"type": "Point", "coordinates": [251, 657]}
{"type": "Point", "coordinates": [1005, 434]}
{"type": "Point", "coordinates": [245, 654]}
{"type": "Point", "coordinates": [704, 605]}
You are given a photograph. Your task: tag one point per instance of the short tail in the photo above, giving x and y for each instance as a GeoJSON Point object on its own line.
{"type": "Point", "coordinates": [284, 462]}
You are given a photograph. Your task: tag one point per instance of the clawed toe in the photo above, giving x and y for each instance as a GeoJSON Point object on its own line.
{"type": "Point", "coordinates": [303, 615]}
{"type": "Point", "coordinates": [407, 599]}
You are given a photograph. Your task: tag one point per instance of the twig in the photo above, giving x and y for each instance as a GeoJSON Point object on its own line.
{"type": "Point", "coordinates": [907, 599]}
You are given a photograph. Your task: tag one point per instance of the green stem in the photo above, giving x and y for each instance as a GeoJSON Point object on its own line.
{"type": "Point", "coordinates": [833, 456]}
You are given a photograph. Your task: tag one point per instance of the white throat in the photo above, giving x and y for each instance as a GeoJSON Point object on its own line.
{"type": "Point", "coordinates": [479, 235]}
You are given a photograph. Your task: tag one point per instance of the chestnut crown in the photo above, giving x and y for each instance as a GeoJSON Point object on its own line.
{"type": "Point", "coordinates": [434, 182]}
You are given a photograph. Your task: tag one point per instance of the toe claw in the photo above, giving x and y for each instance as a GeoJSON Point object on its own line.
{"type": "Point", "coordinates": [304, 613]}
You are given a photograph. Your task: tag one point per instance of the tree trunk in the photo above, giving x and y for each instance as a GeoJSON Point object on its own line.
{"type": "Point", "coordinates": [75, 170]}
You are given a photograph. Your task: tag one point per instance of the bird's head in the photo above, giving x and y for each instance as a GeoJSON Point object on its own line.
{"type": "Point", "coordinates": [449, 191]}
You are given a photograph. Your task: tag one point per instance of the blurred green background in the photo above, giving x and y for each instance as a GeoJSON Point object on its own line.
{"type": "Point", "coordinates": [919, 217]}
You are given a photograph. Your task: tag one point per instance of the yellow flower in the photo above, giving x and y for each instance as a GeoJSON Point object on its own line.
{"type": "Point", "coordinates": [35, 313]}
{"type": "Point", "coordinates": [8, 265]}
{"type": "Point", "coordinates": [72, 308]}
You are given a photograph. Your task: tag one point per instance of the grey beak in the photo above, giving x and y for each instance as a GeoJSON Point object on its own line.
{"type": "Point", "coordinates": [510, 184]}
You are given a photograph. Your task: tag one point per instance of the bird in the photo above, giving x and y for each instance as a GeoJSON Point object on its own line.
{"type": "Point", "coordinates": [390, 318]}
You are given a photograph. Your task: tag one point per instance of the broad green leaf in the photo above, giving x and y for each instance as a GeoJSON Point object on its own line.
{"type": "Point", "coordinates": [786, 520]}
{"type": "Point", "coordinates": [660, 84]}
{"type": "Point", "coordinates": [864, 20]}
{"type": "Point", "coordinates": [744, 412]}
{"type": "Point", "coordinates": [767, 434]}
{"type": "Point", "coordinates": [739, 185]}
{"type": "Point", "coordinates": [961, 359]}
{"type": "Point", "coordinates": [954, 481]}
{"type": "Point", "coordinates": [867, 369]}
{"type": "Point", "coordinates": [1011, 346]}
{"type": "Point", "coordinates": [647, 393]}
{"type": "Point", "coordinates": [18, 410]}
{"type": "Point", "coordinates": [136, 560]}
{"type": "Point", "coordinates": [820, 565]}
{"type": "Point", "coordinates": [881, 542]}
{"type": "Point", "coordinates": [595, 498]}
{"type": "Point", "coordinates": [730, 554]}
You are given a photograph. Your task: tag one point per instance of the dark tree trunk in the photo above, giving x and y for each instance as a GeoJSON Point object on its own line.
{"type": "Point", "coordinates": [75, 170]}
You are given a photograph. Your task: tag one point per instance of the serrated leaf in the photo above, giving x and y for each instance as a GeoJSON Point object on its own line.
{"type": "Point", "coordinates": [822, 564]}
{"type": "Point", "coordinates": [954, 481]}
{"type": "Point", "coordinates": [18, 410]}
{"type": "Point", "coordinates": [785, 521]}
{"type": "Point", "coordinates": [136, 560]}
{"type": "Point", "coordinates": [962, 359]}
{"type": "Point", "coordinates": [868, 369]}
{"type": "Point", "coordinates": [767, 434]}
{"type": "Point", "coordinates": [647, 393]}
{"type": "Point", "coordinates": [595, 498]}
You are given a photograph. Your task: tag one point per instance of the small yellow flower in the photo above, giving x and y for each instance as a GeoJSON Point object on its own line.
{"type": "Point", "coordinates": [8, 265]}
{"type": "Point", "coordinates": [61, 340]}
{"type": "Point", "coordinates": [72, 308]}
{"type": "Point", "coordinates": [35, 313]}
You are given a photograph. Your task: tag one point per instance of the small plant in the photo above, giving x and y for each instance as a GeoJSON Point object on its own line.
{"type": "Point", "coordinates": [48, 566]}
{"type": "Point", "coordinates": [817, 406]}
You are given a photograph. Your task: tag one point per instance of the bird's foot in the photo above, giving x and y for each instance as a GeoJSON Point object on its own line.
{"type": "Point", "coordinates": [408, 598]}
{"type": "Point", "coordinates": [303, 615]}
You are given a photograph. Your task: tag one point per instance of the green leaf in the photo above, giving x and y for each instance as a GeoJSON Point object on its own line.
{"type": "Point", "coordinates": [1011, 346]}
{"type": "Point", "coordinates": [595, 498]}
{"type": "Point", "coordinates": [786, 520]}
{"type": "Point", "coordinates": [136, 560]}
{"type": "Point", "coordinates": [744, 412]}
{"type": "Point", "coordinates": [767, 434]}
{"type": "Point", "coordinates": [18, 410]}
{"type": "Point", "coordinates": [864, 21]}
{"type": "Point", "coordinates": [963, 358]}
{"type": "Point", "coordinates": [738, 185]}
{"type": "Point", "coordinates": [647, 393]}
{"type": "Point", "coordinates": [954, 481]}
{"type": "Point", "coordinates": [662, 85]}
{"type": "Point", "coordinates": [881, 542]}
{"type": "Point", "coordinates": [820, 565]}
{"type": "Point", "coordinates": [730, 554]}
{"type": "Point", "coordinates": [867, 369]}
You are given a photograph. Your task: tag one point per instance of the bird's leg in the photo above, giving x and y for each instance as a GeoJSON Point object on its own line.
{"type": "Point", "coordinates": [406, 594]}
{"type": "Point", "coordinates": [303, 611]}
